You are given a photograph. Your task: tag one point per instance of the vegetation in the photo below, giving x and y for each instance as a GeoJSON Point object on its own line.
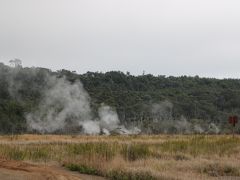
{"type": "Point", "coordinates": [83, 169]}
{"type": "Point", "coordinates": [220, 170]}
{"type": "Point", "coordinates": [131, 157]}
{"type": "Point", "coordinates": [199, 100]}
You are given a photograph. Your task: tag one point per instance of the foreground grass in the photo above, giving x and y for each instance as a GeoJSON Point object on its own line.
{"type": "Point", "coordinates": [131, 157]}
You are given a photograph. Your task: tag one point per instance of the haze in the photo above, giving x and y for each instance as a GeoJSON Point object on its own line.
{"type": "Point", "coordinates": [167, 37]}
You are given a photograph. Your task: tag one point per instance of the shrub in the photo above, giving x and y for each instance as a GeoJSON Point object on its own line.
{"type": "Point", "coordinates": [83, 169]}
{"type": "Point", "coordinates": [125, 175]}
{"type": "Point", "coordinates": [135, 151]}
{"type": "Point", "coordinates": [220, 170]}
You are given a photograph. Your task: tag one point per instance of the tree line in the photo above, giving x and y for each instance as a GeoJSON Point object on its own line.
{"type": "Point", "coordinates": [146, 101]}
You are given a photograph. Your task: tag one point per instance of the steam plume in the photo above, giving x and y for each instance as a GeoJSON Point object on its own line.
{"type": "Point", "coordinates": [67, 105]}
{"type": "Point", "coordinates": [62, 103]}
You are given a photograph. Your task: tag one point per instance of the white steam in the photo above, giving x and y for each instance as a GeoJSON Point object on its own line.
{"type": "Point", "coordinates": [91, 127]}
{"type": "Point", "coordinates": [62, 103]}
{"type": "Point", "coordinates": [107, 122]}
{"type": "Point", "coordinates": [108, 118]}
{"type": "Point", "coordinates": [66, 106]}
{"type": "Point", "coordinates": [163, 121]}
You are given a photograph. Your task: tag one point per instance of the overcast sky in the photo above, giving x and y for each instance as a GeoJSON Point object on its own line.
{"type": "Point", "coordinates": [167, 37]}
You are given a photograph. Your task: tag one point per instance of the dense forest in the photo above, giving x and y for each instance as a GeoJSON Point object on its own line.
{"type": "Point", "coordinates": [155, 104]}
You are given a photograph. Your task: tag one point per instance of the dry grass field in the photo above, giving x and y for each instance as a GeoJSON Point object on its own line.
{"type": "Point", "coordinates": [130, 157]}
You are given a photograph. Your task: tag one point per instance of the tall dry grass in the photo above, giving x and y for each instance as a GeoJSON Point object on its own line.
{"type": "Point", "coordinates": [132, 157]}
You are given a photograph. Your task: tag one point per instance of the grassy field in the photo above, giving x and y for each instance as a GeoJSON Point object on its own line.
{"type": "Point", "coordinates": [131, 157]}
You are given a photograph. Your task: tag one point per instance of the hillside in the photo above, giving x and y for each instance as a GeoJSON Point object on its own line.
{"type": "Point", "coordinates": [154, 104]}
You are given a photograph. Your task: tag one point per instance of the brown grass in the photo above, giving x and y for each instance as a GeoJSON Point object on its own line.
{"type": "Point", "coordinates": [132, 157]}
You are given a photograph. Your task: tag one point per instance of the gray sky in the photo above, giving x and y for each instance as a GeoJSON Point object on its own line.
{"type": "Point", "coordinates": [169, 37]}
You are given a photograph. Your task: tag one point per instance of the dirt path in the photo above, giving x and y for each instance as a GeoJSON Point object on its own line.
{"type": "Point", "coordinates": [15, 170]}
